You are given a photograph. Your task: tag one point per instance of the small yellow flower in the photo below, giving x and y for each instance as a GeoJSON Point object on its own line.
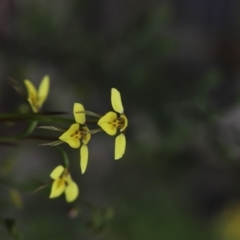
{"type": "Point", "coordinates": [78, 133]}
{"type": "Point", "coordinates": [37, 98]}
{"type": "Point", "coordinates": [63, 183]}
{"type": "Point", "coordinates": [111, 122]}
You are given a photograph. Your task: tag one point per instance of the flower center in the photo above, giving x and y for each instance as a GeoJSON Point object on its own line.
{"type": "Point", "coordinates": [64, 177]}
{"type": "Point", "coordinates": [121, 122]}
{"type": "Point", "coordinates": [34, 101]}
{"type": "Point", "coordinates": [118, 123]}
{"type": "Point", "coordinates": [77, 134]}
{"type": "Point", "coordinates": [82, 133]}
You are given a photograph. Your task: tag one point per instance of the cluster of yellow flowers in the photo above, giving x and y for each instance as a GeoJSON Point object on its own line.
{"type": "Point", "coordinates": [78, 135]}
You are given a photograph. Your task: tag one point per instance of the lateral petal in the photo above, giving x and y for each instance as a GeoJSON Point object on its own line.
{"type": "Point", "coordinates": [69, 136]}
{"type": "Point", "coordinates": [120, 146]}
{"type": "Point", "coordinates": [57, 172]}
{"type": "Point", "coordinates": [43, 90]}
{"type": "Point", "coordinates": [108, 128]}
{"type": "Point", "coordinates": [116, 100]}
{"type": "Point", "coordinates": [79, 117]}
{"type": "Point", "coordinates": [106, 123]}
{"type": "Point", "coordinates": [58, 188]}
{"type": "Point", "coordinates": [83, 157]}
{"type": "Point", "coordinates": [87, 136]}
{"type": "Point", "coordinates": [71, 192]}
{"type": "Point", "coordinates": [125, 121]}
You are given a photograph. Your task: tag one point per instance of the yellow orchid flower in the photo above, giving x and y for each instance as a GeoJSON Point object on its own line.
{"type": "Point", "coordinates": [37, 98]}
{"type": "Point", "coordinates": [111, 122]}
{"type": "Point", "coordinates": [78, 133]}
{"type": "Point", "coordinates": [63, 183]}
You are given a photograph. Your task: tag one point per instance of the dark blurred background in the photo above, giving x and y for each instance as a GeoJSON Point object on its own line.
{"type": "Point", "coordinates": [176, 64]}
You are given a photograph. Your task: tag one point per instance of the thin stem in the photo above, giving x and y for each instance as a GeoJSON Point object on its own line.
{"type": "Point", "coordinates": [55, 143]}
{"type": "Point", "coordinates": [92, 131]}
{"type": "Point", "coordinates": [90, 114]}
{"type": "Point", "coordinates": [52, 128]}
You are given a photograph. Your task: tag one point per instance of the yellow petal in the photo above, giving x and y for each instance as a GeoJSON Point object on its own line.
{"type": "Point", "coordinates": [84, 157]}
{"type": "Point", "coordinates": [87, 136]}
{"type": "Point", "coordinates": [43, 90]}
{"type": "Point", "coordinates": [106, 123]}
{"type": "Point", "coordinates": [125, 122]}
{"type": "Point", "coordinates": [120, 146]}
{"type": "Point", "coordinates": [108, 128]}
{"type": "Point", "coordinates": [71, 192]}
{"type": "Point", "coordinates": [58, 188]}
{"type": "Point", "coordinates": [79, 117]}
{"type": "Point", "coordinates": [57, 172]}
{"type": "Point", "coordinates": [32, 95]}
{"type": "Point", "coordinates": [69, 137]}
{"type": "Point", "coordinates": [30, 87]}
{"type": "Point", "coordinates": [116, 100]}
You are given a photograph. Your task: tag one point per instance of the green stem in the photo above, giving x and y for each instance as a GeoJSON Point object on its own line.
{"type": "Point", "coordinates": [29, 130]}
{"type": "Point", "coordinates": [24, 134]}
{"type": "Point", "coordinates": [16, 117]}
{"type": "Point", "coordinates": [65, 157]}
{"type": "Point", "coordinates": [33, 117]}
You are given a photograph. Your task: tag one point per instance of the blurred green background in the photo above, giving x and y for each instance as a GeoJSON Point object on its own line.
{"type": "Point", "coordinates": [176, 64]}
